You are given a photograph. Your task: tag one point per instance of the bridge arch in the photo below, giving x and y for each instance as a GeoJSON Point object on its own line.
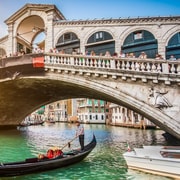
{"type": "Point", "coordinates": [58, 87]}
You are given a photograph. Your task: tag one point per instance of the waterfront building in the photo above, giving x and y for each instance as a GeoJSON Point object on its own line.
{"type": "Point", "coordinates": [91, 111]}
{"type": "Point", "coordinates": [121, 116]}
{"type": "Point", "coordinates": [60, 111]}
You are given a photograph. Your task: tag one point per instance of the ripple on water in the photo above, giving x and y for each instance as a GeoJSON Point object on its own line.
{"type": "Point", "coordinates": [104, 162]}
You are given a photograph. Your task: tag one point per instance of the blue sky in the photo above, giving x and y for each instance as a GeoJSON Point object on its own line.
{"type": "Point", "coordinates": [90, 9]}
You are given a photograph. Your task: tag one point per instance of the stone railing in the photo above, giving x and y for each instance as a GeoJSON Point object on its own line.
{"type": "Point", "coordinates": [125, 64]}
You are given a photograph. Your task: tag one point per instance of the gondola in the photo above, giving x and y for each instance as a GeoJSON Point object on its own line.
{"type": "Point", "coordinates": [34, 165]}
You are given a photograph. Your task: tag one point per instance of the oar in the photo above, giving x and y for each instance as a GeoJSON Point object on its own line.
{"type": "Point", "coordinates": [69, 143]}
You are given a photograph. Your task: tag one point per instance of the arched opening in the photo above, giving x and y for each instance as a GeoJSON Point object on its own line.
{"type": "Point", "coordinates": [173, 47]}
{"type": "Point", "coordinates": [69, 43]}
{"type": "Point", "coordinates": [100, 42]}
{"type": "Point", "coordinates": [2, 53]}
{"type": "Point", "coordinates": [38, 43]}
{"type": "Point", "coordinates": [139, 41]}
{"type": "Point", "coordinates": [27, 32]}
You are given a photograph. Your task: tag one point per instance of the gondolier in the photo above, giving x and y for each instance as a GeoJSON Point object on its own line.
{"type": "Point", "coordinates": [80, 133]}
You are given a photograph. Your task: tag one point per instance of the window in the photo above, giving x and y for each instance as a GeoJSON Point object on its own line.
{"type": "Point", "coordinates": [138, 35]}
{"type": "Point", "coordinates": [99, 35]}
{"type": "Point", "coordinates": [67, 37]}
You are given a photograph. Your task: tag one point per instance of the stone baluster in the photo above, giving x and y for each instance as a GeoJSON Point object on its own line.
{"type": "Point", "coordinates": [108, 64]}
{"type": "Point", "coordinates": [84, 61]}
{"type": "Point", "coordinates": [153, 67]}
{"type": "Point", "coordinates": [128, 65]}
{"type": "Point", "coordinates": [87, 61]}
{"type": "Point", "coordinates": [132, 66]}
{"type": "Point", "coordinates": [137, 66]}
{"type": "Point", "coordinates": [68, 60]}
{"type": "Point", "coordinates": [81, 60]}
{"type": "Point", "coordinates": [148, 67]}
{"type": "Point", "coordinates": [159, 69]}
{"type": "Point", "coordinates": [91, 62]}
{"type": "Point", "coordinates": [178, 68]}
{"type": "Point", "coordinates": [46, 59]}
{"type": "Point", "coordinates": [104, 63]}
{"type": "Point", "coordinates": [76, 61]}
{"type": "Point", "coordinates": [95, 63]}
{"type": "Point", "coordinates": [99, 63]}
{"type": "Point", "coordinates": [173, 68]}
{"type": "Point", "coordinates": [54, 60]}
{"type": "Point", "coordinates": [118, 64]}
{"type": "Point", "coordinates": [51, 61]}
{"type": "Point", "coordinates": [61, 60]}
{"type": "Point", "coordinates": [123, 65]}
{"type": "Point", "coordinates": [143, 66]}
{"type": "Point", "coordinates": [57, 59]}
{"type": "Point", "coordinates": [64, 60]}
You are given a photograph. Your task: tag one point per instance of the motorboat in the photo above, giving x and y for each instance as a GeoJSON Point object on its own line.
{"type": "Point", "coordinates": [159, 160]}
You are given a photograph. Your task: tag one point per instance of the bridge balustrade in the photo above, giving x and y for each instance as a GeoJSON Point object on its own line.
{"type": "Point", "coordinates": [125, 64]}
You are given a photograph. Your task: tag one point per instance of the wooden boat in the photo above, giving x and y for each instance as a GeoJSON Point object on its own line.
{"type": "Point", "coordinates": [33, 165]}
{"type": "Point", "coordinates": [159, 160]}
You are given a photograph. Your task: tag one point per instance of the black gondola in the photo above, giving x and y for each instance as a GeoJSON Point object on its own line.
{"type": "Point", "coordinates": [33, 165]}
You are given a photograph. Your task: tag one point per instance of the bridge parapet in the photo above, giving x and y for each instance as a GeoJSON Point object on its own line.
{"type": "Point", "coordinates": [134, 68]}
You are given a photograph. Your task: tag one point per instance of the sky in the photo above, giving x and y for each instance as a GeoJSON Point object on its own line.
{"type": "Point", "coordinates": [91, 9]}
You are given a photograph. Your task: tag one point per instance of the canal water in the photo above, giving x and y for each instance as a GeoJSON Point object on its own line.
{"type": "Point", "coordinates": [105, 162]}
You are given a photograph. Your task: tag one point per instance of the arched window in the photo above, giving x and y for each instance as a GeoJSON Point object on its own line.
{"type": "Point", "coordinates": [100, 42]}
{"type": "Point", "coordinates": [139, 41]}
{"type": "Point", "coordinates": [173, 47]}
{"type": "Point", "coordinates": [68, 42]}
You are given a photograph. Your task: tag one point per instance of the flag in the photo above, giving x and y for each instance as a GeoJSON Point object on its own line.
{"type": "Point", "coordinates": [38, 62]}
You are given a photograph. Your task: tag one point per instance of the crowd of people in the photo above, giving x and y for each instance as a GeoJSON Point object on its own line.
{"type": "Point", "coordinates": [142, 55]}
{"type": "Point", "coordinates": [121, 54]}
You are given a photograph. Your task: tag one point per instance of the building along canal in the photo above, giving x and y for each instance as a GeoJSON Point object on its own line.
{"type": "Point", "coordinates": [104, 162]}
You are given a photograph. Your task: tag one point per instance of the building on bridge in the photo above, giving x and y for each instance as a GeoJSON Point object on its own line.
{"type": "Point", "coordinates": [151, 35]}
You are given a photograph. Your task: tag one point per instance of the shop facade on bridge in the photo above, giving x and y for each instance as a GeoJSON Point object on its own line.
{"type": "Point", "coordinates": [151, 35]}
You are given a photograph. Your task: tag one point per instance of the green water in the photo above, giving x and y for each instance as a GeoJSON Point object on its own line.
{"type": "Point", "coordinates": [105, 162]}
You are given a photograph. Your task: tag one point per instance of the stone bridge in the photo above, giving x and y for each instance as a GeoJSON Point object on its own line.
{"type": "Point", "coordinates": [149, 87]}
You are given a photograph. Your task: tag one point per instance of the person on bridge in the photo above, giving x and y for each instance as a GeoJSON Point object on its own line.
{"type": "Point", "coordinates": [80, 133]}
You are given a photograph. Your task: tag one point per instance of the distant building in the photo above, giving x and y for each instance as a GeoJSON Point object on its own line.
{"type": "Point", "coordinates": [122, 116]}
{"type": "Point", "coordinates": [60, 110]}
{"type": "Point", "coordinates": [91, 111]}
